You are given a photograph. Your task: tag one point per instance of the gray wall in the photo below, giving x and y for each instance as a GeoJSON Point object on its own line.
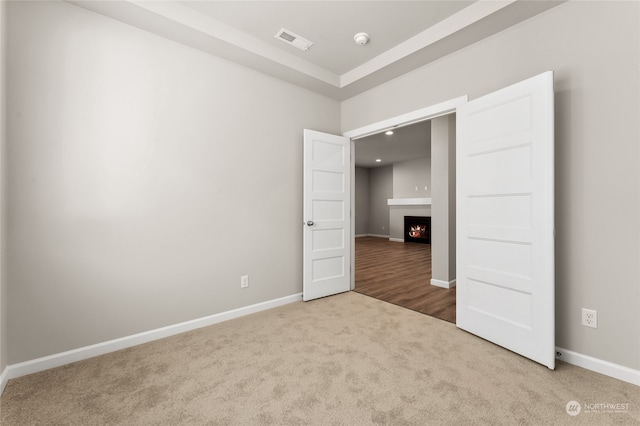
{"type": "Point", "coordinates": [138, 169]}
{"type": "Point", "coordinates": [412, 174]}
{"type": "Point", "coordinates": [593, 48]}
{"type": "Point", "coordinates": [443, 208]}
{"type": "Point", "coordinates": [3, 127]}
{"type": "Point", "coordinates": [380, 190]}
{"type": "Point", "coordinates": [362, 201]}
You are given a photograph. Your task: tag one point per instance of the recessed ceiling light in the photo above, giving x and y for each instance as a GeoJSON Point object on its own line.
{"type": "Point", "coordinates": [388, 132]}
{"type": "Point", "coordinates": [378, 160]}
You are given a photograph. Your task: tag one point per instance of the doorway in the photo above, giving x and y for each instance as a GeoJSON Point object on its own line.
{"type": "Point", "coordinates": [504, 221]}
{"type": "Point", "coordinates": [393, 185]}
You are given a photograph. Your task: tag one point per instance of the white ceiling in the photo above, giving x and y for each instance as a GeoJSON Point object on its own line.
{"type": "Point", "coordinates": [404, 34]}
{"type": "Point", "coordinates": [406, 143]}
{"type": "Point", "coordinates": [332, 25]}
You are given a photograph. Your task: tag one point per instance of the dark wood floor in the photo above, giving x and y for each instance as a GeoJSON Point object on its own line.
{"type": "Point", "coordinates": [400, 273]}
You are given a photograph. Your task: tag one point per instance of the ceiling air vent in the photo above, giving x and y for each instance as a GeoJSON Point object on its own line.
{"type": "Point", "coordinates": [293, 39]}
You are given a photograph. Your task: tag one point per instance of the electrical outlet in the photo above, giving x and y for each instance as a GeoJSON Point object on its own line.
{"type": "Point", "coordinates": [244, 281]}
{"type": "Point", "coordinates": [589, 318]}
{"type": "Point", "coordinates": [383, 228]}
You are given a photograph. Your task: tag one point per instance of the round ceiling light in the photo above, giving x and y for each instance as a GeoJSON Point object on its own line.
{"type": "Point", "coordinates": [388, 132]}
{"type": "Point", "coordinates": [361, 38]}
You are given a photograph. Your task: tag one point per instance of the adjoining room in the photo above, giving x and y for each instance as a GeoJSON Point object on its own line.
{"type": "Point", "coordinates": [394, 193]}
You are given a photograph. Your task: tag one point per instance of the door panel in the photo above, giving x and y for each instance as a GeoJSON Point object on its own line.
{"type": "Point", "coordinates": [505, 245]}
{"type": "Point", "coordinates": [326, 244]}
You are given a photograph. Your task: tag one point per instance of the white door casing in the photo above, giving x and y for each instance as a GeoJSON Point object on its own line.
{"type": "Point", "coordinates": [326, 218]}
{"type": "Point", "coordinates": [505, 218]}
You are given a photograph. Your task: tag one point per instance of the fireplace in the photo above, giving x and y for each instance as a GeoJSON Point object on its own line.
{"type": "Point", "coordinates": [417, 229]}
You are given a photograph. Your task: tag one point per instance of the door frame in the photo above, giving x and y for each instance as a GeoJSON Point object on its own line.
{"type": "Point", "coordinates": [423, 114]}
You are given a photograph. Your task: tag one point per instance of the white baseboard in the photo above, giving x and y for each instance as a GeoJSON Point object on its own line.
{"type": "Point", "coordinates": [443, 284]}
{"type": "Point", "coordinates": [361, 235]}
{"type": "Point", "coordinates": [4, 378]}
{"type": "Point", "coordinates": [397, 240]}
{"type": "Point", "coordinates": [607, 368]}
{"type": "Point", "coordinates": [40, 364]}
{"type": "Point", "coordinates": [377, 235]}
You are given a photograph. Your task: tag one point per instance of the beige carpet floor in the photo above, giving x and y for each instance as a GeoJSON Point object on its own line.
{"type": "Point", "coordinates": [343, 360]}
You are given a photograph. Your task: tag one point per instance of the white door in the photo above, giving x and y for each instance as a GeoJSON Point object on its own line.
{"type": "Point", "coordinates": [326, 219]}
{"type": "Point", "coordinates": [505, 223]}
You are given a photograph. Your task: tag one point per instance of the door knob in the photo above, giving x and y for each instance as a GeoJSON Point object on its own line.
{"type": "Point", "coordinates": [309, 223]}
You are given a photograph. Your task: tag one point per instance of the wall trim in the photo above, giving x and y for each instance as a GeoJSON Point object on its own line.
{"type": "Point", "coordinates": [4, 379]}
{"type": "Point", "coordinates": [443, 284]}
{"type": "Point", "coordinates": [607, 368]}
{"type": "Point", "coordinates": [56, 360]}
{"type": "Point", "coordinates": [377, 235]}
{"type": "Point", "coordinates": [397, 240]}
{"type": "Point", "coordinates": [422, 114]}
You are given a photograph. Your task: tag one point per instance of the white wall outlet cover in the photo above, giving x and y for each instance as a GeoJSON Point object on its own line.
{"type": "Point", "coordinates": [589, 318]}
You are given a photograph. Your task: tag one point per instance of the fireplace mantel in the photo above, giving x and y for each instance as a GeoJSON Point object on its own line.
{"type": "Point", "coordinates": [409, 202]}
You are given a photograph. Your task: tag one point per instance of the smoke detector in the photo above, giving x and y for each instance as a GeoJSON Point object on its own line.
{"type": "Point", "coordinates": [293, 39]}
{"type": "Point", "coordinates": [361, 38]}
